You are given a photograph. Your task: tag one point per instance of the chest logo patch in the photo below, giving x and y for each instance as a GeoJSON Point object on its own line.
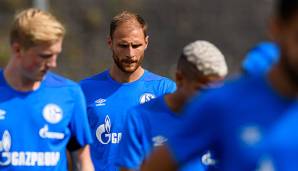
{"type": "Point", "coordinates": [52, 113]}
{"type": "Point", "coordinates": [146, 97]}
{"type": "Point", "coordinates": [104, 134]}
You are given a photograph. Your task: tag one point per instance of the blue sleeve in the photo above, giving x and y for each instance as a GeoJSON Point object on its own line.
{"type": "Point", "coordinates": [79, 126]}
{"type": "Point", "coordinates": [197, 132]}
{"type": "Point", "coordinates": [167, 86]}
{"type": "Point", "coordinates": [260, 59]}
{"type": "Point", "coordinates": [254, 63]}
{"type": "Point", "coordinates": [134, 145]}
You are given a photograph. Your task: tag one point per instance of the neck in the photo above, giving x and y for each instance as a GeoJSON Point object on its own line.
{"type": "Point", "coordinates": [17, 81]}
{"type": "Point", "coordinates": [176, 101]}
{"type": "Point", "coordinates": [124, 77]}
{"type": "Point", "coordinates": [282, 82]}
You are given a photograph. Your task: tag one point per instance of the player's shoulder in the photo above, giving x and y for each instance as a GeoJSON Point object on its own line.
{"type": "Point", "coordinates": [233, 90]}
{"type": "Point", "coordinates": [55, 80]}
{"type": "Point", "coordinates": [150, 76]}
{"type": "Point", "coordinates": [102, 76]}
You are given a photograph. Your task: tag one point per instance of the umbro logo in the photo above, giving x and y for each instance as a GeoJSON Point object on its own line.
{"type": "Point", "coordinates": [2, 114]}
{"type": "Point", "coordinates": [100, 102]}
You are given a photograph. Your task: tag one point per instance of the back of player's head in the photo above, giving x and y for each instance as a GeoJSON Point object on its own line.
{"type": "Point", "coordinates": [202, 57]}
{"type": "Point", "coordinates": [286, 8]}
{"type": "Point", "coordinates": [126, 16]}
{"type": "Point", "coordinates": [33, 26]}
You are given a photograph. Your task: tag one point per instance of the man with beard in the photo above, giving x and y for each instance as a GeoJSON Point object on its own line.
{"type": "Point", "coordinates": [110, 93]}
{"type": "Point", "coordinates": [249, 123]}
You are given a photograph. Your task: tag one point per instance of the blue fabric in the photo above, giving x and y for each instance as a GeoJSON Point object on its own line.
{"type": "Point", "coordinates": [107, 104]}
{"type": "Point", "coordinates": [260, 58]}
{"type": "Point", "coordinates": [283, 146]}
{"type": "Point", "coordinates": [149, 125]}
{"type": "Point", "coordinates": [234, 122]}
{"type": "Point", "coordinates": [36, 126]}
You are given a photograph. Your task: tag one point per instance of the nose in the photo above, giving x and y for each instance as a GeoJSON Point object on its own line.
{"type": "Point", "coordinates": [52, 62]}
{"type": "Point", "coordinates": [130, 52]}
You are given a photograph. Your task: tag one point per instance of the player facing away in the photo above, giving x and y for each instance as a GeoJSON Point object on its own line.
{"type": "Point", "coordinates": [151, 124]}
{"type": "Point", "coordinates": [40, 112]}
{"type": "Point", "coordinates": [249, 123]}
{"type": "Point", "coordinates": [125, 84]}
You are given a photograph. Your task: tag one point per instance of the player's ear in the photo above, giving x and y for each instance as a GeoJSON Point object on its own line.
{"type": "Point", "coordinates": [109, 41]}
{"type": "Point", "coordinates": [178, 78]}
{"type": "Point", "coordinates": [146, 42]}
{"type": "Point", "coordinates": [16, 49]}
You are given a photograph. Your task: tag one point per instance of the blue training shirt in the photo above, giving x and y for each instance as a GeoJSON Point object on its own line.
{"type": "Point", "coordinates": [107, 104]}
{"type": "Point", "coordinates": [283, 146]}
{"type": "Point", "coordinates": [149, 125]}
{"type": "Point", "coordinates": [36, 126]}
{"type": "Point", "coordinates": [234, 122]}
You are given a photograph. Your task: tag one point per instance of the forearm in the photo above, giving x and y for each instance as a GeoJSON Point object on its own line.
{"type": "Point", "coordinates": [84, 159]}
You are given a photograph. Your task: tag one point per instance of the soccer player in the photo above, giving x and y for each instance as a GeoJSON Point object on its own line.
{"type": "Point", "coordinates": [260, 58]}
{"type": "Point", "coordinates": [246, 122]}
{"type": "Point", "coordinates": [151, 124]}
{"type": "Point", "coordinates": [40, 112]}
{"type": "Point", "coordinates": [109, 94]}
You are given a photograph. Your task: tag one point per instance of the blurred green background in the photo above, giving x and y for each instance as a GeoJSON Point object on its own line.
{"type": "Point", "coordinates": [232, 25]}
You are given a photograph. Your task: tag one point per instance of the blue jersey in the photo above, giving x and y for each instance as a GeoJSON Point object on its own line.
{"type": "Point", "coordinates": [260, 58]}
{"type": "Point", "coordinates": [107, 103]}
{"type": "Point", "coordinates": [36, 126]}
{"type": "Point", "coordinates": [283, 145]}
{"type": "Point", "coordinates": [234, 122]}
{"type": "Point", "coordinates": [149, 125]}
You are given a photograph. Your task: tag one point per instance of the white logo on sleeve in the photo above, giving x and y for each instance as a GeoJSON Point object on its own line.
{"type": "Point", "coordinates": [52, 113]}
{"type": "Point", "coordinates": [207, 159]}
{"type": "Point", "coordinates": [146, 98]}
{"type": "Point", "coordinates": [159, 140]}
{"type": "Point", "coordinates": [2, 114]}
{"type": "Point", "coordinates": [104, 135]}
{"type": "Point", "coordinates": [100, 102]}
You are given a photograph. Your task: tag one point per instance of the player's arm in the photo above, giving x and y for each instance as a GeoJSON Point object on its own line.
{"type": "Point", "coordinates": [81, 137]}
{"type": "Point", "coordinates": [84, 159]}
{"type": "Point", "coordinates": [160, 160]}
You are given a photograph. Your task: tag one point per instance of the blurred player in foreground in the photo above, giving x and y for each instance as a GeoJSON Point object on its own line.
{"type": "Point", "coordinates": [151, 124]}
{"type": "Point", "coordinates": [249, 123]}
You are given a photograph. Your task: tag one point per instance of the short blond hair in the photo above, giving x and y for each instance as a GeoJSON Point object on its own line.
{"type": "Point", "coordinates": [34, 26]}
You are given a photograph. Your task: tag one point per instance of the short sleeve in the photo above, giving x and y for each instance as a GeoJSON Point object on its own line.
{"type": "Point", "coordinates": [168, 86]}
{"type": "Point", "coordinates": [79, 126]}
